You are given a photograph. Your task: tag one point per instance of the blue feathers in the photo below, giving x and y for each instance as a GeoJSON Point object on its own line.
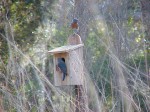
{"type": "Point", "coordinates": [63, 67]}
{"type": "Point", "coordinates": [75, 20]}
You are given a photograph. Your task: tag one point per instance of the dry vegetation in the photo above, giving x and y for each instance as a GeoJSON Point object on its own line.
{"type": "Point", "coordinates": [116, 54]}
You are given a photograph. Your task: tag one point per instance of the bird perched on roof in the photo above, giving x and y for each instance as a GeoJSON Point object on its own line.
{"type": "Point", "coordinates": [62, 67]}
{"type": "Point", "coordinates": [74, 25]}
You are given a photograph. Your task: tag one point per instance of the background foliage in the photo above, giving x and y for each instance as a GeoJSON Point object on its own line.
{"type": "Point", "coordinates": [116, 53]}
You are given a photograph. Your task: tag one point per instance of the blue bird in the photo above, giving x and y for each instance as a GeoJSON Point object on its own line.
{"type": "Point", "coordinates": [62, 67]}
{"type": "Point", "coordinates": [74, 25]}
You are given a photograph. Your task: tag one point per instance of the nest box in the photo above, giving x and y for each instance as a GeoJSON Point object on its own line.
{"type": "Point", "coordinates": [73, 58]}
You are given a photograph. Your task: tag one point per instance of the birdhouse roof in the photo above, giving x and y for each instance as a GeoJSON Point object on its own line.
{"type": "Point", "coordinates": [67, 48]}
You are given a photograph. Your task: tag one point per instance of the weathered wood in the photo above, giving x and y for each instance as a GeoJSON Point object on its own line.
{"type": "Point", "coordinates": [74, 39]}
{"type": "Point", "coordinates": [80, 93]}
{"type": "Point", "coordinates": [64, 49]}
{"type": "Point", "coordinates": [74, 62]}
{"type": "Point", "coordinates": [58, 75]}
{"type": "Point", "coordinates": [81, 99]}
{"type": "Point", "coordinates": [73, 55]}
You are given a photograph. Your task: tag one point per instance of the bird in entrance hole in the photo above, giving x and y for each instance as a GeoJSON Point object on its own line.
{"type": "Point", "coordinates": [61, 66]}
{"type": "Point", "coordinates": [74, 25]}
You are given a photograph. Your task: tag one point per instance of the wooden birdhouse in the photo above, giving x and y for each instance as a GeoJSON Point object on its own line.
{"type": "Point", "coordinates": [72, 55]}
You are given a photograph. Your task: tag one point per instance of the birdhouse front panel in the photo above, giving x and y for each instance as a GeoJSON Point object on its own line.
{"type": "Point", "coordinates": [59, 77]}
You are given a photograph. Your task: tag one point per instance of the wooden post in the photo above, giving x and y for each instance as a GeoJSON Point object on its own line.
{"type": "Point", "coordinates": [75, 39]}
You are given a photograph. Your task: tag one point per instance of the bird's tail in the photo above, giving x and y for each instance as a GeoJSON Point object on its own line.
{"type": "Point", "coordinates": [64, 76]}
